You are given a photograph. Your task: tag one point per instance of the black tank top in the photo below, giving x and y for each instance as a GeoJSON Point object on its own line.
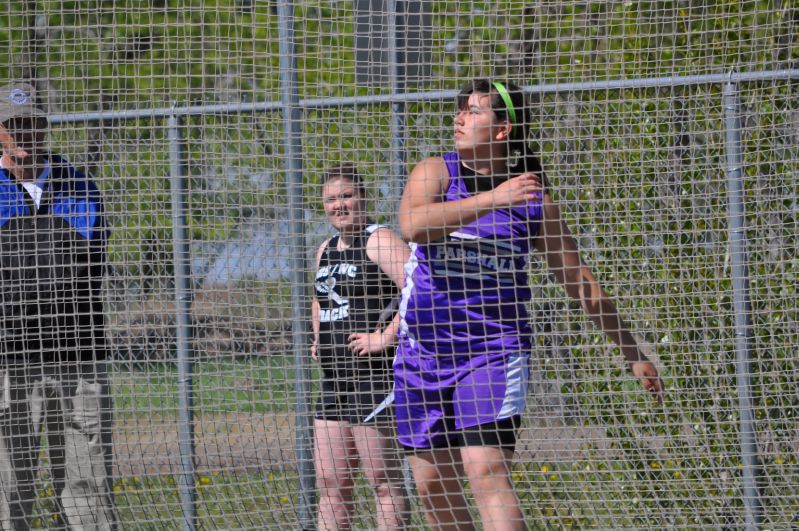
{"type": "Point", "coordinates": [354, 296]}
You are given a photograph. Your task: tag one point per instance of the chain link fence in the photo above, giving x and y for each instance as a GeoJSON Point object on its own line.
{"type": "Point", "coordinates": [207, 126]}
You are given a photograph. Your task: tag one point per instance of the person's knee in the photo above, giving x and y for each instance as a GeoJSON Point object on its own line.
{"type": "Point", "coordinates": [428, 484]}
{"type": "Point", "coordinates": [332, 480]}
{"type": "Point", "coordinates": [485, 474]}
{"type": "Point", "coordinates": [382, 489]}
{"type": "Point", "coordinates": [437, 474]}
{"type": "Point", "coordinates": [385, 484]}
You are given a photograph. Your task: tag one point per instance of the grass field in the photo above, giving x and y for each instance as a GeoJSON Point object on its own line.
{"type": "Point", "coordinates": [269, 499]}
{"type": "Point", "coordinates": [256, 385]}
{"type": "Point", "coordinates": [245, 475]}
{"type": "Point", "coordinates": [572, 496]}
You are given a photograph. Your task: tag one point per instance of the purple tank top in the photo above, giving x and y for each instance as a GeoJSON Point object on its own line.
{"type": "Point", "coordinates": [467, 293]}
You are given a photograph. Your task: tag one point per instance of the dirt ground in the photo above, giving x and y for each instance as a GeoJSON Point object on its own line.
{"type": "Point", "coordinates": [258, 441]}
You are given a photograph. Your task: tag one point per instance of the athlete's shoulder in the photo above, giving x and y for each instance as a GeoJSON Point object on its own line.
{"type": "Point", "coordinates": [320, 251]}
{"type": "Point", "coordinates": [428, 179]}
{"type": "Point", "coordinates": [382, 237]}
{"type": "Point", "coordinates": [431, 166]}
{"type": "Point", "coordinates": [380, 231]}
{"type": "Point", "coordinates": [328, 240]}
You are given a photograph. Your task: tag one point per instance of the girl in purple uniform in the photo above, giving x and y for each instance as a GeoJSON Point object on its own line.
{"type": "Point", "coordinates": [461, 370]}
{"type": "Point", "coordinates": [356, 287]}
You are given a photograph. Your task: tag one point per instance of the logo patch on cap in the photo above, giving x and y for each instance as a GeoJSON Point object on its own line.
{"type": "Point", "coordinates": [19, 96]}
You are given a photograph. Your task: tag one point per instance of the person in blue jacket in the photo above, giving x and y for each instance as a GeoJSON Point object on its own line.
{"type": "Point", "coordinates": [53, 378]}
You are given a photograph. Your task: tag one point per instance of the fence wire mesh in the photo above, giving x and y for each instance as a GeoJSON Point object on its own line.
{"type": "Point", "coordinates": [641, 175]}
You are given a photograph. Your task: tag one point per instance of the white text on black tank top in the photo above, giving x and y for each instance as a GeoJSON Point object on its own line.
{"type": "Point", "coordinates": [326, 284]}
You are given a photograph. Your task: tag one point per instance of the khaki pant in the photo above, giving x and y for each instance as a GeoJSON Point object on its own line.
{"type": "Point", "coordinates": [71, 404]}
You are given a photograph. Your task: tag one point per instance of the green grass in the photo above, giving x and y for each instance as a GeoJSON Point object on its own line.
{"type": "Point", "coordinates": [224, 501]}
{"type": "Point", "coordinates": [675, 486]}
{"type": "Point", "coordinates": [259, 385]}
{"type": "Point", "coordinates": [577, 495]}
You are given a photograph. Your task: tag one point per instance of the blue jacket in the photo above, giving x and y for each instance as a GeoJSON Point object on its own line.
{"type": "Point", "coordinates": [52, 262]}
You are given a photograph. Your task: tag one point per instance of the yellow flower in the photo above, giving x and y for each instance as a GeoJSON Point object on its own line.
{"type": "Point", "coordinates": [544, 468]}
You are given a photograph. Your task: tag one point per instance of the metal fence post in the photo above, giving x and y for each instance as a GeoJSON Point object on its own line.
{"type": "Point", "coordinates": [184, 333]}
{"type": "Point", "coordinates": [300, 310]}
{"type": "Point", "coordinates": [740, 286]}
{"type": "Point", "coordinates": [398, 76]}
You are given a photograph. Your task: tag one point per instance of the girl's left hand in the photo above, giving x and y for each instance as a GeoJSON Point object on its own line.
{"type": "Point", "coordinates": [364, 344]}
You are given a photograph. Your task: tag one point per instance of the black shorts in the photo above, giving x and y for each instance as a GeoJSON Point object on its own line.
{"type": "Point", "coordinates": [501, 434]}
{"type": "Point", "coordinates": [359, 402]}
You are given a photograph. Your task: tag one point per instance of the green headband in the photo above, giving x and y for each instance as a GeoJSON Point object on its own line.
{"type": "Point", "coordinates": [503, 93]}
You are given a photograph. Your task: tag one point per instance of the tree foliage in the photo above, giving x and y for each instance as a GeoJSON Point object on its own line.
{"type": "Point", "coordinates": [640, 172]}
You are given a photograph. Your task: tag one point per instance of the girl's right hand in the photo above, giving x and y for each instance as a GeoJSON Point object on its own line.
{"type": "Point", "coordinates": [314, 355]}
{"type": "Point", "coordinates": [518, 190]}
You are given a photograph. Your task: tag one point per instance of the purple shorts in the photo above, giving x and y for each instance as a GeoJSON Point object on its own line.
{"type": "Point", "coordinates": [437, 398]}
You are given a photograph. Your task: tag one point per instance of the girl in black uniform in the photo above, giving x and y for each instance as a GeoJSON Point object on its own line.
{"type": "Point", "coordinates": [359, 275]}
